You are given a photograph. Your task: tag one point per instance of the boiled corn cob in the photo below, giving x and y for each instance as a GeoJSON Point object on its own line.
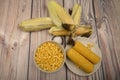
{"type": "Point", "coordinates": [87, 53]}
{"type": "Point", "coordinates": [80, 61]}
{"type": "Point", "coordinates": [36, 24]}
{"type": "Point", "coordinates": [62, 13]}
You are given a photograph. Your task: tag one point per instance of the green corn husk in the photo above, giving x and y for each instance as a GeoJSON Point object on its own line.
{"type": "Point", "coordinates": [36, 24]}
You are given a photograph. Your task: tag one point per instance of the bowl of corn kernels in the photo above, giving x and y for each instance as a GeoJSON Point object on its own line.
{"type": "Point", "coordinates": [49, 57]}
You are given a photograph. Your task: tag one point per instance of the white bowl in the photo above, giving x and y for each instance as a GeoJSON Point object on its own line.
{"type": "Point", "coordinates": [95, 49]}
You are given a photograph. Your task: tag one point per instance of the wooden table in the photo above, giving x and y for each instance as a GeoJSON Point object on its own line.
{"type": "Point", "coordinates": [17, 47]}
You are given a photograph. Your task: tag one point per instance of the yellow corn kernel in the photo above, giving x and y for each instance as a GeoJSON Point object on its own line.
{"type": "Point", "coordinates": [87, 53]}
{"type": "Point", "coordinates": [49, 56]}
{"type": "Point", "coordinates": [80, 61]}
{"type": "Point", "coordinates": [90, 45]}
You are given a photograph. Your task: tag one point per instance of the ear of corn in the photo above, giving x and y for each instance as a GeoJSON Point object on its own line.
{"type": "Point", "coordinates": [83, 29]}
{"type": "Point", "coordinates": [58, 31]}
{"type": "Point", "coordinates": [55, 28]}
{"type": "Point", "coordinates": [53, 15]}
{"type": "Point", "coordinates": [76, 14]}
{"type": "Point", "coordinates": [87, 53]}
{"type": "Point", "coordinates": [80, 61]}
{"type": "Point", "coordinates": [74, 9]}
{"type": "Point", "coordinates": [36, 24]}
{"type": "Point", "coordinates": [62, 13]}
{"type": "Point", "coordinates": [34, 28]}
{"type": "Point", "coordinates": [58, 17]}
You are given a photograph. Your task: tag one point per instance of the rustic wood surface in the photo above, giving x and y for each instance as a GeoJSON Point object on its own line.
{"type": "Point", "coordinates": [17, 47]}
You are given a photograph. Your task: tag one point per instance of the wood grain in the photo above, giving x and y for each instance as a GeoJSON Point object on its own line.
{"type": "Point", "coordinates": [17, 47]}
{"type": "Point", "coordinates": [14, 43]}
{"type": "Point", "coordinates": [40, 10]}
{"type": "Point", "coordinates": [107, 20]}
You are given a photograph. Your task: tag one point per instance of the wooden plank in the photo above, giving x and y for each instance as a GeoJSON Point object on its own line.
{"type": "Point", "coordinates": [40, 10]}
{"type": "Point", "coordinates": [68, 5]}
{"type": "Point", "coordinates": [86, 18]}
{"type": "Point", "coordinates": [14, 43]}
{"type": "Point", "coordinates": [107, 19]}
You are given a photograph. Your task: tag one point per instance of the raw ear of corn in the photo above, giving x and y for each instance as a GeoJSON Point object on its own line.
{"type": "Point", "coordinates": [76, 14]}
{"type": "Point", "coordinates": [87, 53]}
{"type": "Point", "coordinates": [36, 24]}
{"type": "Point", "coordinates": [74, 9]}
{"type": "Point", "coordinates": [59, 31]}
{"type": "Point", "coordinates": [56, 28]}
{"type": "Point", "coordinates": [62, 13]}
{"type": "Point", "coordinates": [53, 15]}
{"type": "Point", "coordinates": [83, 29]}
{"type": "Point", "coordinates": [80, 61]}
